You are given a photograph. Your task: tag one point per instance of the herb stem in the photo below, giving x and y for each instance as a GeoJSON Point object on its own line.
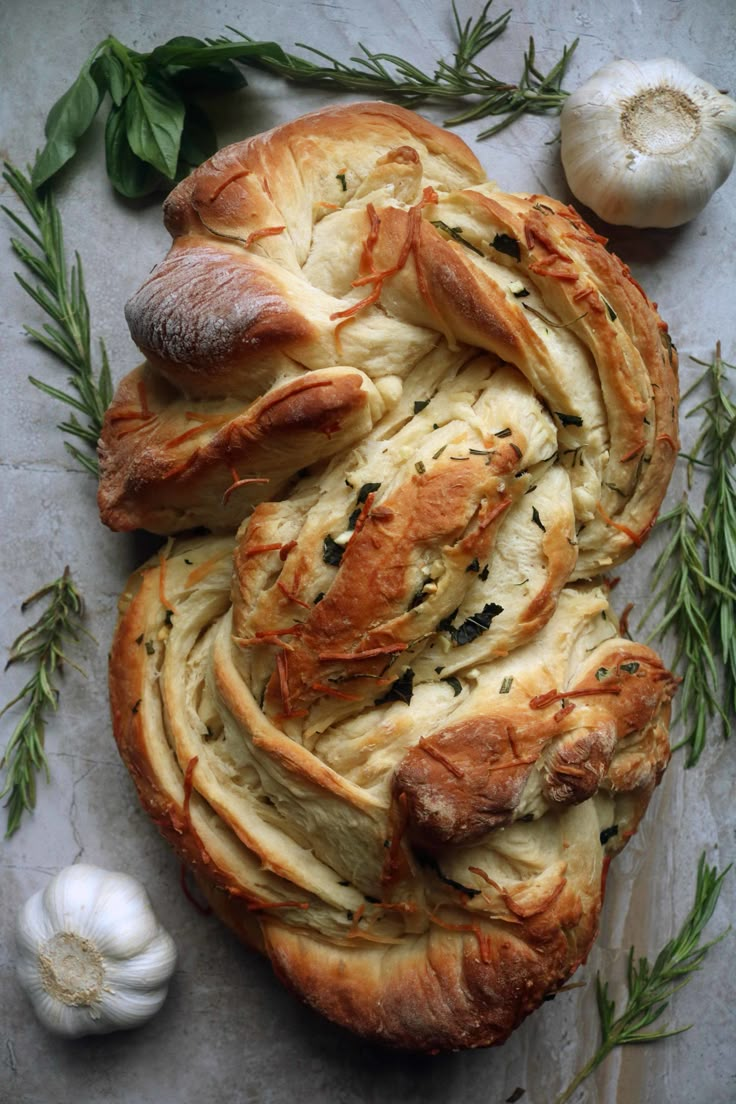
{"type": "Point", "coordinates": [585, 1072]}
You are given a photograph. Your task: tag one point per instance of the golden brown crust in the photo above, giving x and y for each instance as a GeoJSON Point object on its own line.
{"type": "Point", "coordinates": [468, 778]}
{"type": "Point", "coordinates": [449, 989]}
{"type": "Point", "coordinates": [189, 319]}
{"type": "Point", "coordinates": [249, 455]}
{"type": "Point", "coordinates": [391, 725]}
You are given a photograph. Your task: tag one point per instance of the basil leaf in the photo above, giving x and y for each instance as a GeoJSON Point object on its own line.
{"type": "Point", "coordinates": [445, 625]}
{"type": "Point", "coordinates": [420, 596]}
{"type": "Point", "coordinates": [173, 47]}
{"type": "Point", "coordinates": [198, 140]}
{"type": "Point", "coordinates": [221, 76]}
{"type": "Point", "coordinates": [365, 490]}
{"type": "Point", "coordinates": [473, 626]}
{"type": "Point", "coordinates": [173, 62]}
{"type": "Point", "coordinates": [183, 52]}
{"type": "Point", "coordinates": [569, 419]}
{"type": "Point", "coordinates": [537, 519]}
{"type": "Point", "coordinates": [129, 176]}
{"type": "Point", "coordinates": [402, 690]}
{"type": "Point", "coordinates": [67, 121]}
{"type": "Point", "coordinates": [110, 74]}
{"type": "Point", "coordinates": [154, 117]}
{"type": "Point", "coordinates": [503, 243]}
{"type": "Point", "coordinates": [175, 53]}
{"type": "Point", "coordinates": [331, 551]}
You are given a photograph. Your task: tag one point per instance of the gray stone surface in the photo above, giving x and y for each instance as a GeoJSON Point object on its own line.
{"type": "Point", "coordinates": [228, 1031]}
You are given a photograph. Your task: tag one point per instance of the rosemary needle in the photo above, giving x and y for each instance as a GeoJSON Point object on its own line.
{"type": "Point", "coordinates": [41, 644]}
{"type": "Point", "coordinates": [650, 987]}
{"type": "Point", "coordinates": [60, 294]}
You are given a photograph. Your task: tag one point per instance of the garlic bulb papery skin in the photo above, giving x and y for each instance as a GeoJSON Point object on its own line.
{"type": "Point", "coordinates": [646, 143]}
{"type": "Point", "coordinates": [92, 956]}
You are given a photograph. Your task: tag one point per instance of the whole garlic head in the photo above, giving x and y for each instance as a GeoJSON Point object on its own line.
{"type": "Point", "coordinates": [646, 143]}
{"type": "Point", "coordinates": [92, 956]}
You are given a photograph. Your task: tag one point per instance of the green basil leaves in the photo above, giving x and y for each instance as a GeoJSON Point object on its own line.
{"type": "Point", "coordinates": [156, 132]}
{"type": "Point", "coordinates": [154, 118]}
{"type": "Point", "coordinates": [67, 121]}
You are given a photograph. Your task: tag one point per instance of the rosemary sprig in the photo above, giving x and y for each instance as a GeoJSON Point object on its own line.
{"type": "Point", "coordinates": [717, 444]}
{"type": "Point", "coordinates": [157, 131]}
{"type": "Point", "coordinates": [683, 587]}
{"type": "Point", "coordinates": [41, 644]}
{"type": "Point", "coordinates": [61, 295]}
{"type": "Point", "coordinates": [651, 987]}
{"type": "Point", "coordinates": [695, 572]}
{"type": "Point", "coordinates": [461, 79]}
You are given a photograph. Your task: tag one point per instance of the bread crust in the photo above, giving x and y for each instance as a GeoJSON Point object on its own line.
{"type": "Point", "coordinates": [390, 724]}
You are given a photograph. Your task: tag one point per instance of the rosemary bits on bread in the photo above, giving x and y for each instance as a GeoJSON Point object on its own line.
{"type": "Point", "coordinates": [385, 711]}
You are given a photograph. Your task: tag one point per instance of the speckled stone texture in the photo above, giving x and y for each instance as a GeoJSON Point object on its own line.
{"type": "Point", "coordinates": [228, 1031]}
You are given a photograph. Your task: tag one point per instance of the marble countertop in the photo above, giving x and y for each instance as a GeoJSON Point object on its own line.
{"type": "Point", "coordinates": [229, 1032]}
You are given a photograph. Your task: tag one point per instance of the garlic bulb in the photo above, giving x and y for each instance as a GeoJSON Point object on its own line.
{"type": "Point", "coordinates": [647, 143]}
{"type": "Point", "coordinates": [92, 956]}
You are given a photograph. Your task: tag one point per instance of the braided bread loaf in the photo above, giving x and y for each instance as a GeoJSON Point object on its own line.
{"type": "Point", "coordinates": [391, 724]}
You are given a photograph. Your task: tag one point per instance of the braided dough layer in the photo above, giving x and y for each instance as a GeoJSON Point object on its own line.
{"type": "Point", "coordinates": [391, 724]}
